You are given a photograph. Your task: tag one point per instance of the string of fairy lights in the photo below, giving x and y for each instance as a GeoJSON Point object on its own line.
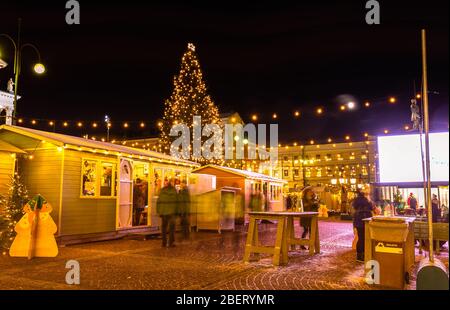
{"type": "Point", "coordinates": [134, 125]}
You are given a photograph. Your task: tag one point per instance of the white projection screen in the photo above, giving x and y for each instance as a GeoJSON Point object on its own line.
{"type": "Point", "coordinates": [400, 160]}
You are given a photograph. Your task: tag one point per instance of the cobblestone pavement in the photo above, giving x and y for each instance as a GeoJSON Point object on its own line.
{"type": "Point", "coordinates": [208, 261]}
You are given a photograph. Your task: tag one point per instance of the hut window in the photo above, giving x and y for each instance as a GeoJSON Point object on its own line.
{"type": "Point", "coordinates": [107, 180]}
{"type": "Point", "coordinates": [99, 179]}
{"type": "Point", "coordinates": [89, 174]}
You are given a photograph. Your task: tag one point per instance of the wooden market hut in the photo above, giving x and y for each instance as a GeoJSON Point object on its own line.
{"type": "Point", "coordinates": [90, 183]}
{"type": "Point", "coordinates": [248, 182]}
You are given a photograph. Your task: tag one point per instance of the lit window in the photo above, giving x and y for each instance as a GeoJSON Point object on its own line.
{"type": "Point", "coordinates": [89, 174]}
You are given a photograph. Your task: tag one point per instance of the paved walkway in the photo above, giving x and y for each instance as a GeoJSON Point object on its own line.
{"type": "Point", "coordinates": [209, 261]}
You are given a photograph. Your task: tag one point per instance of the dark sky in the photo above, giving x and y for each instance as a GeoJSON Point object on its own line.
{"type": "Point", "coordinates": [260, 58]}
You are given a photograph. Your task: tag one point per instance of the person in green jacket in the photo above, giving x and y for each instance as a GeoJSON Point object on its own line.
{"type": "Point", "coordinates": [166, 208]}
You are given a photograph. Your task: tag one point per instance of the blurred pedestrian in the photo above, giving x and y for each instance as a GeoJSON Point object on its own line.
{"type": "Point", "coordinates": [435, 210]}
{"type": "Point", "coordinates": [362, 209]}
{"type": "Point", "coordinates": [184, 209]}
{"type": "Point", "coordinates": [412, 202]}
{"type": "Point", "coordinates": [166, 208]}
{"type": "Point", "coordinates": [139, 200]}
{"type": "Point", "coordinates": [310, 204]}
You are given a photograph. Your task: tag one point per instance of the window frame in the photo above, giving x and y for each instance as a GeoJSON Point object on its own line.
{"type": "Point", "coordinates": [98, 175]}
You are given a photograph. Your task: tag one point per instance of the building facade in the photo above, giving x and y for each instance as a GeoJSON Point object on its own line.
{"type": "Point", "coordinates": [349, 163]}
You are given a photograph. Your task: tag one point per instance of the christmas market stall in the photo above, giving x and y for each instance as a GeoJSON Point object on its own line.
{"type": "Point", "coordinates": [258, 192]}
{"type": "Point", "coordinates": [98, 190]}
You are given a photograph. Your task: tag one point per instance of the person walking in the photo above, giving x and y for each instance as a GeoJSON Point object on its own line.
{"type": "Point", "coordinates": [362, 209]}
{"type": "Point", "coordinates": [139, 201]}
{"type": "Point", "coordinates": [310, 204]}
{"type": "Point", "coordinates": [166, 208]}
{"type": "Point", "coordinates": [412, 202]}
{"type": "Point", "coordinates": [435, 209]}
{"type": "Point", "coordinates": [184, 209]}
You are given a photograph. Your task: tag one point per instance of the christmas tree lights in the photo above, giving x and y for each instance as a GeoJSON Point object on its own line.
{"type": "Point", "coordinates": [189, 98]}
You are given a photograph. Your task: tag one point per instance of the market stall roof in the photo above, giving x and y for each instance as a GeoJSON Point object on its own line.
{"type": "Point", "coordinates": [243, 173]}
{"type": "Point", "coordinates": [10, 148]}
{"type": "Point", "coordinates": [77, 142]}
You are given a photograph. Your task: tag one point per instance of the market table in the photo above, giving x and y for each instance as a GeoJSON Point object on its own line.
{"type": "Point", "coordinates": [285, 236]}
{"type": "Point", "coordinates": [313, 242]}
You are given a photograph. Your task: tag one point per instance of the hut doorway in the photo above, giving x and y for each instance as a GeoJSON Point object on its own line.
{"type": "Point", "coordinates": [126, 194]}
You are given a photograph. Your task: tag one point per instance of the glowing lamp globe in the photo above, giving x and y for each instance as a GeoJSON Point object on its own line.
{"type": "Point", "coordinates": [39, 68]}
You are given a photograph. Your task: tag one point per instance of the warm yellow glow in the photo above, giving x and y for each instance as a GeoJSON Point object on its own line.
{"type": "Point", "coordinates": [80, 124]}
{"type": "Point", "coordinates": [254, 117]}
{"type": "Point", "coordinates": [319, 111]}
{"type": "Point", "coordinates": [33, 122]}
{"type": "Point", "coordinates": [347, 138]}
{"type": "Point", "coordinates": [94, 125]}
{"type": "Point", "coordinates": [392, 100]}
{"type": "Point", "coordinates": [59, 149]}
{"type": "Point", "coordinates": [367, 104]}
{"type": "Point", "coordinates": [233, 119]}
{"type": "Point", "coordinates": [125, 125]}
{"type": "Point", "coordinates": [329, 140]}
{"type": "Point", "coordinates": [142, 125]}
{"type": "Point", "coordinates": [274, 116]}
{"type": "Point", "coordinates": [366, 134]}
{"type": "Point", "coordinates": [311, 142]}
{"type": "Point", "coordinates": [342, 107]}
{"type": "Point", "coordinates": [236, 138]}
{"type": "Point", "coordinates": [418, 96]}
{"type": "Point", "coordinates": [406, 127]}
{"type": "Point", "coordinates": [386, 131]}
{"type": "Point", "coordinates": [334, 181]}
{"type": "Point", "coordinates": [296, 113]}
{"type": "Point", "coordinates": [51, 123]}
{"type": "Point", "coordinates": [245, 141]}
{"type": "Point", "coordinates": [65, 124]}
{"type": "Point", "coordinates": [30, 157]}
{"type": "Point", "coordinates": [39, 68]}
{"type": "Point", "coordinates": [20, 121]}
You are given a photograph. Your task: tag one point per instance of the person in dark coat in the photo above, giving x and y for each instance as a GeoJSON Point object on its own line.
{"type": "Point", "coordinates": [139, 200]}
{"type": "Point", "coordinates": [166, 208]}
{"type": "Point", "coordinates": [412, 202]}
{"type": "Point", "coordinates": [184, 209]}
{"type": "Point", "coordinates": [435, 210]}
{"type": "Point", "coordinates": [362, 210]}
{"type": "Point", "coordinates": [310, 204]}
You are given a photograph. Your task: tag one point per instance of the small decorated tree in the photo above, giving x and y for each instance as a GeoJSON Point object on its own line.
{"type": "Point", "coordinates": [11, 211]}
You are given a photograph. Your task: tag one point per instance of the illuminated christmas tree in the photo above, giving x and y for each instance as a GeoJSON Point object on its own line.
{"type": "Point", "coordinates": [189, 98]}
{"type": "Point", "coordinates": [11, 211]}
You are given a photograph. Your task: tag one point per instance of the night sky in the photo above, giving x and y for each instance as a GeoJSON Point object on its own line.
{"type": "Point", "coordinates": [260, 58]}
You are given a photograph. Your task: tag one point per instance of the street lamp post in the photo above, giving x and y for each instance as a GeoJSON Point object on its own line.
{"type": "Point", "coordinates": [108, 126]}
{"type": "Point", "coordinates": [39, 68]}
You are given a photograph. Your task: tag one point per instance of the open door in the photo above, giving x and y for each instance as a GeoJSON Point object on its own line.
{"type": "Point", "coordinates": [126, 194]}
